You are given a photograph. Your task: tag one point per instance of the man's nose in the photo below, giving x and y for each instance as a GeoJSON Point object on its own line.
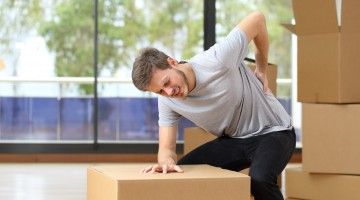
{"type": "Point", "coordinates": [169, 91]}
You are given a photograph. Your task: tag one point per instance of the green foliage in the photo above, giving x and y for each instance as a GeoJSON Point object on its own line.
{"type": "Point", "coordinates": [230, 12]}
{"type": "Point", "coordinates": [176, 25]}
{"type": "Point", "coordinates": [125, 26]}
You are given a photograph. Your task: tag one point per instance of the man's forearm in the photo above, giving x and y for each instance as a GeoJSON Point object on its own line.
{"type": "Point", "coordinates": [254, 25]}
{"type": "Point", "coordinates": [167, 145]}
{"type": "Point", "coordinates": [167, 156]}
{"type": "Point", "coordinates": [262, 45]}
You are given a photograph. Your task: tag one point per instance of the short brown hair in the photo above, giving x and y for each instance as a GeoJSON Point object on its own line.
{"type": "Point", "coordinates": [148, 59]}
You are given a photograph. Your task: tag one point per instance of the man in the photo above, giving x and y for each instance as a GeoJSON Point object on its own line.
{"type": "Point", "coordinates": [220, 94]}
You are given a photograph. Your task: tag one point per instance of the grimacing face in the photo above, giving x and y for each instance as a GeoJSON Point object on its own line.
{"type": "Point", "coordinates": [170, 82]}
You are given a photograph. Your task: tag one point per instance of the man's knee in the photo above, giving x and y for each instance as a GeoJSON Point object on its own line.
{"type": "Point", "coordinates": [261, 181]}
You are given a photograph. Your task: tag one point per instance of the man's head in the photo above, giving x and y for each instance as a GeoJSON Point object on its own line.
{"type": "Point", "coordinates": [156, 72]}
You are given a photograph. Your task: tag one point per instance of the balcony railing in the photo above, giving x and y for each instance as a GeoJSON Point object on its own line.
{"type": "Point", "coordinates": [126, 115]}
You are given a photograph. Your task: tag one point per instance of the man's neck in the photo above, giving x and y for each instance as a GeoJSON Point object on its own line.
{"type": "Point", "coordinates": [190, 75]}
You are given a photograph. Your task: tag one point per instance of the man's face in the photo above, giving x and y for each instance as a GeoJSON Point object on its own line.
{"type": "Point", "coordinates": [170, 82]}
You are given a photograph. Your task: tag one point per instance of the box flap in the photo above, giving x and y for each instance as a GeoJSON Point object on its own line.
{"type": "Point", "coordinates": [290, 27]}
{"type": "Point", "coordinates": [315, 16]}
{"type": "Point", "coordinates": [350, 18]}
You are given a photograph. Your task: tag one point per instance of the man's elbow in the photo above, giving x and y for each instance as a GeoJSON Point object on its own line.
{"type": "Point", "coordinates": [253, 24]}
{"type": "Point", "coordinates": [259, 18]}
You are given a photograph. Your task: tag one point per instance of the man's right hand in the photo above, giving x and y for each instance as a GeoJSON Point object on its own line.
{"type": "Point", "coordinates": [162, 168]}
{"type": "Point", "coordinates": [166, 155]}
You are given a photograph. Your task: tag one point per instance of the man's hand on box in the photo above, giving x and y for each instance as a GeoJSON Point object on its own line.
{"type": "Point", "coordinates": [164, 168]}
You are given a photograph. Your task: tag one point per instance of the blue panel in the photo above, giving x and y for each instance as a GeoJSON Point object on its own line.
{"type": "Point", "coordinates": [15, 123]}
{"type": "Point", "coordinates": [76, 119]}
{"type": "Point", "coordinates": [119, 118]}
{"type": "Point", "coordinates": [138, 118]}
{"type": "Point", "coordinates": [108, 118]}
{"type": "Point", "coordinates": [44, 115]}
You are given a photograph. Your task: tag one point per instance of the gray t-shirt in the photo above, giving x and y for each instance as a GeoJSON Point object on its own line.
{"type": "Point", "coordinates": [228, 98]}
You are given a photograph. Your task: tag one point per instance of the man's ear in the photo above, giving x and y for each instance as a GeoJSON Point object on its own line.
{"type": "Point", "coordinates": [172, 62]}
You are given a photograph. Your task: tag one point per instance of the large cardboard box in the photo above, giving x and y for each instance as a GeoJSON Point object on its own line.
{"type": "Point", "coordinates": [328, 55]}
{"type": "Point", "coordinates": [271, 73]}
{"type": "Point", "coordinates": [303, 185]}
{"type": "Point", "coordinates": [198, 182]}
{"type": "Point", "coordinates": [194, 137]}
{"type": "Point", "coordinates": [331, 138]}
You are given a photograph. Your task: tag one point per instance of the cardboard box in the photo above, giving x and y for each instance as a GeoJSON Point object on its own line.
{"type": "Point", "coordinates": [331, 138]}
{"type": "Point", "coordinates": [271, 73]}
{"type": "Point", "coordinates": [194, 137]}
{"type": "Point", "coordinates": [198, 182]}
{"type": "Point", "coordinates": [303, 185]}
{"type": "Point", "coordinates": [328, 58]}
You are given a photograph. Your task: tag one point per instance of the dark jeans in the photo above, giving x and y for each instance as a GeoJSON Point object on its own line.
{"type": "Point", "coordinates": [266, 155]}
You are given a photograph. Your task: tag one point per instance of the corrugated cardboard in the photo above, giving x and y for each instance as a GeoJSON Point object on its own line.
{"type": "Point", "coordinates": [194, 137]}
{"type": "Point", "coordinates": [303, 185]}
{"type": "Point", "coordinates": [328, 58]}
{"type": "Point", "coordinates": [271, 74]}
{"type": "Point", "coordinates": [331, 138]}
{"type": "Point", "coordinates": [198, 182]}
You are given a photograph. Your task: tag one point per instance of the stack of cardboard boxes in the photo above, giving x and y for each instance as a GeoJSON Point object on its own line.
{"type": "Point", "coordinates": [329, 88]}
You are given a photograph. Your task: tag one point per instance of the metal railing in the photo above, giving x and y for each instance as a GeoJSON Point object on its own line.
{"type": "Point", "coordinates": [62, 81]}
{"type": "Point", "coordinates": [12, 79]}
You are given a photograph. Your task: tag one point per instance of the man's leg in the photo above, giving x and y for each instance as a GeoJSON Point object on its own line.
{"type": "Point", "coordinates": [224, 152]}
{"type": "Point", "coordinates": [268, 160]}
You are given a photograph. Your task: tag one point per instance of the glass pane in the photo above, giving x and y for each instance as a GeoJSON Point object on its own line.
{"type": "Point", "coordinates": [175, 27]}
{"type": "Point", "coordinates": [46, 64]}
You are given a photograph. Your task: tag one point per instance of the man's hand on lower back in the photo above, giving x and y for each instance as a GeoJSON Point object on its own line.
{"type": "Point", "coordinates": [263, 78]}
